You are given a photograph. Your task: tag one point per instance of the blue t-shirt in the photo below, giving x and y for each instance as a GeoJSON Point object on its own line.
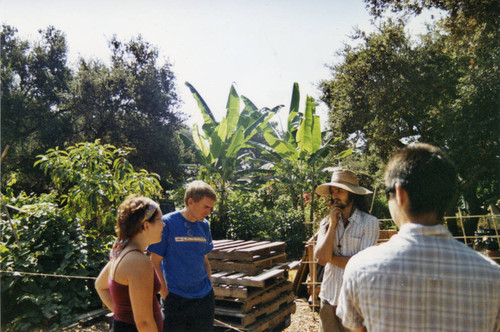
{"type": "Point", "coordinates": [183, 247]}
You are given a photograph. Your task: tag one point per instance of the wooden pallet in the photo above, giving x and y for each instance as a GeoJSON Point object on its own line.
{"type": "Point", "coordinates": [255, 298]}
{"type": "Point", "coordinates": [243, 319]}
{"type": "Point", "coordinates": [245, 251]}
{"type": "Point", "coordinates": [250, 268]}
{"type": "Point", "coordinates": [252, 292]}
{"type": "Point", "coordinates": [267, 322]}
{"type": "Point", "coordinates": [263, 279]}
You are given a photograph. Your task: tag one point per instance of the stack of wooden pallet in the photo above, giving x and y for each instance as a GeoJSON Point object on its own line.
{"type": "Point", "coordinates": [252, 292]}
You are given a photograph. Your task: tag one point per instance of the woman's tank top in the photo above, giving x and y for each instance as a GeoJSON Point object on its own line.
{"type": "Point", "coordinates": [121, 299]}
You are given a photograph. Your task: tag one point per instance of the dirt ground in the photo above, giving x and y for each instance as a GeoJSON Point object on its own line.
{"type": "Point", "coordinates": [303, 320]}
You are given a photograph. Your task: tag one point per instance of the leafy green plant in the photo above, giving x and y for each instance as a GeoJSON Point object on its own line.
{"type": "Point", "coordinates": [92, 179]}
{"type": "Point", "coordinates": [303, 152]}
{"type": "Point", "coordinates": [67, 232]}
{"type": "Point", "coordinates": [218, 148]}
{"type": "Point", "coordinates": [51, 243]}
{"type": "Point", "coordinates": [263, 215]}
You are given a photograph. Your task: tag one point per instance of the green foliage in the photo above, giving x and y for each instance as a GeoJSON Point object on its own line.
{"type": "Point", "coordinates": [264, 215]}
{"type": "Point", "coordinates": [92, 179]}
{"type": "Point", "coordinates": [51, 243]}
{"type": "Point", "coordinates": [66, 232]}
{"type": "Point", "coordinates": [219, 147]}
{"type": "Point", "coordinates": [389, 91]}
{"type": "Point", "coordinates": [34, 79]}
{"type": "Point", "coordinates": [304, 152]}
{"type": "Point", "coordinates": [133, 102]}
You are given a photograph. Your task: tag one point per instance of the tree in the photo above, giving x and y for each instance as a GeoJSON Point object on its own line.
{"type": "Point", "coordinates": [388, 91]}
{"type": "Point", "coordinates": [218, 147]}
{"type": "Point", "coordinates": [34, 79]}
{"type": "Point", "coordinates": [472, 41]}
{"type": "Point", "coordinates": [92, 179]}
{"type": "Point", "coordinates": [131, 103]}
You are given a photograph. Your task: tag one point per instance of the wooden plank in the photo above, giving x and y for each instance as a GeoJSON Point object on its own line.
{"type": "Point", "coordinates": [251, 268]}
{"type": "Point", "coordinates": [267, 274]}
{"type": "Point", "coordinates": [267, 323]}
{"type": "Point", "coordinates": [247, 246]}
{"type": "Point", "coordinates": [246, 250]}
{"type": "Point", "coordinates": [260, 280]}
{"type": "Point", "coordinates": [255, 297]}
{"type": "Point", "coordinates": [225, 244]}
{"type": "Point", "coordinates": [235, 267]}
{"type": "Point", "coordinates": [265, 247]}
{"type": "Point", "coordinates": [221, 242]}
{"type": "Point", "coordinates": [291, 265]}
{"type": "Point", "coordinates": [232, 251]}
{"type": "Point", "coordinates": [240, 292]}
{"type": "Point", "coordinates": [219, 274]}
{"type": "Point", "coordinates": [230, 315]}
{"type": "Point", "coordinates": [301, 275]}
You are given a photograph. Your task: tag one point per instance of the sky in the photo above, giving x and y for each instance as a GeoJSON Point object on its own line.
{"type": "Point", "coordinates": [260, 46]}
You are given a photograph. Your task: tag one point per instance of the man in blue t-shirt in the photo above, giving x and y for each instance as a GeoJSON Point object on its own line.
{"type": "Point", "coordinates": [181, 261]}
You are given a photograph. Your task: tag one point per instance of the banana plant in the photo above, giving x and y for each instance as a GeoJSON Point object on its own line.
{"type": "Point", "coordinates": [218, 144]}
{"type": "Point", "coordinates": [303, 145]}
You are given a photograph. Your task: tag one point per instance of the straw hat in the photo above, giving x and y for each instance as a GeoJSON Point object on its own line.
{"type": "Point", "coordinates": [344, 179]}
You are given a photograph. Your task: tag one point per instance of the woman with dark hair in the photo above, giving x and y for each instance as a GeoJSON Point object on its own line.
{"type": "Point", "coordinates": [128, 284]}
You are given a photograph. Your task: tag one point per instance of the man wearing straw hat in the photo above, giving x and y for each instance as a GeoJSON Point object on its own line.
{"type": "Point", "coordinates": [422, 279]}
{"type": "Point", "coordinates": [346, 230]}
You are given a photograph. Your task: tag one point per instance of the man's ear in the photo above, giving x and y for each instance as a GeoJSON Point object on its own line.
{"type": "Point", "coordinates": [400, 195]}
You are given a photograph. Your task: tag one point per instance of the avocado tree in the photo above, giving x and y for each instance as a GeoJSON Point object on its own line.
{"type": "Point", "coordinates": [92, 179]}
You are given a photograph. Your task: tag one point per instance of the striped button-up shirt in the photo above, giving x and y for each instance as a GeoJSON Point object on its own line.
{"type": "Point", "coordinates": [422, 279]}
{"type": "Point", "coordinates": [361, 232]}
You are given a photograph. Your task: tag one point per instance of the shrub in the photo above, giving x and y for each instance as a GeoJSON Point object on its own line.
{"type": "Point", "coordinates": [258, 216]}
{"type": "Point", "coordinates": [50, 243]}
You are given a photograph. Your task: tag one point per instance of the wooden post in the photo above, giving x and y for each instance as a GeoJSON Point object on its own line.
{"type": "Point", "coordinates": [493, 216]}
{"type": "Point", "coordinates": [462, 224]}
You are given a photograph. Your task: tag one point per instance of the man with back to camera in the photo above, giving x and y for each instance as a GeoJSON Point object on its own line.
{"type": "Point", "coordinates": [422, 279]}
{"type": "Point", "coordinates": [181, 262]}
{"type": "Point", "coordinates": [345, 231]}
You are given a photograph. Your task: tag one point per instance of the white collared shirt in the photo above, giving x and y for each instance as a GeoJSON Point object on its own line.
{"type": "Point", "coordinates": [361, 233]}
{"type": "Point", "coordinates": [422, 279]}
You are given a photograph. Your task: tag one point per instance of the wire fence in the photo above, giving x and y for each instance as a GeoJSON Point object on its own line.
{"type": "Point", "coordinates": [490, 220]}
{"type": "Point", "coordinates": [313, 283]}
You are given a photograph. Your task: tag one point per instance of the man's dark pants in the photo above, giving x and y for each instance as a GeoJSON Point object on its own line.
{"type": "Point", "coordinates": [182, 315]}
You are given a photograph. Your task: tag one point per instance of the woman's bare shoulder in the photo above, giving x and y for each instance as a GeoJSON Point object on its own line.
{"type": "Point", "coordinates": [134, 265]}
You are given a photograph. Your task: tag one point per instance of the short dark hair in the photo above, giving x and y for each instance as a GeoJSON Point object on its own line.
{"type": "Point", "coordinates": [427, 175]}
{"type": "Point", "coordinates": [197, 190]}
